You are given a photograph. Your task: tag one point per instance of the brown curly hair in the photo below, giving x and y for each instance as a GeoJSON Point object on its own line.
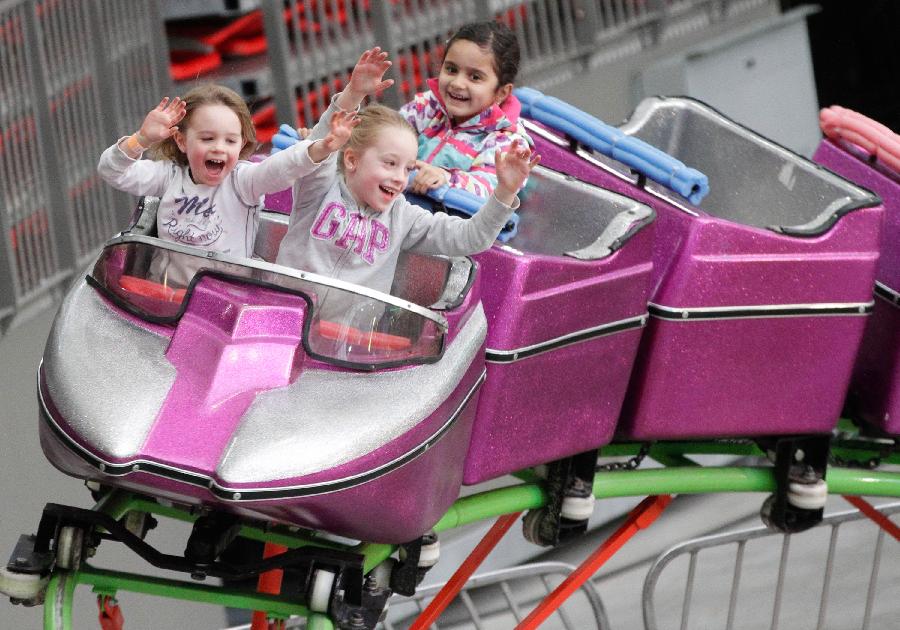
{"type": "Point", "coordinates": [209, 94]}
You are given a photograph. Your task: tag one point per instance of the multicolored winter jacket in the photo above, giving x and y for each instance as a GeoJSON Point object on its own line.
{"type": "Point", "coordinates": [465, 150]}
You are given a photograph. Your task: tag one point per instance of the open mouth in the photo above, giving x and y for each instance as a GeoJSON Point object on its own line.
{"type": "Point", "coordinates": [389, 192]}
{"type": "Point", "coordinates": [458, 97]}
{"type": "Point", "coordinates": [215, 167]}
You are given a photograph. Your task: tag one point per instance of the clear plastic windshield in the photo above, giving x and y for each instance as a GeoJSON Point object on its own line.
{"type": "Point", "coordinates": [345, 327]}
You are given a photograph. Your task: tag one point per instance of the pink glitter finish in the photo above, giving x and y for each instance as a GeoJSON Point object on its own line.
{"type": "Point", "coordinates": [565, 400]}
{"type": "Point", "coordinates": [698, 379]}
{"type": "Point", "coordinates": [754, 376]}
{"type": "Point", "coordinates": [280, 202]}
{"type": "Point", "coordinates": [232, 342]}
{"type": "Point", "coordinates": [875, 388]}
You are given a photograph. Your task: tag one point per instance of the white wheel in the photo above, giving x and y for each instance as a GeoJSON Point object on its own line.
{"type": "Point", "coordinates": [28, 587]}
{"type": "Point", "coordinates": [69, 547]}
{"type": "Point", "coordinates": [320, 590]}
{"type": "Point", "coordinates": [808, 496]}
{"type": "Point", "coordinates": [578, 508]}
{"type": "Point", "coordinates": [430, 554]}
{"type": "Point", "coordinates": [531, 526]}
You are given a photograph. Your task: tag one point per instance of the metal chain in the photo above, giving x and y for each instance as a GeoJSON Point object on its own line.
{"type": "Point", "coordinates": [630, 464]}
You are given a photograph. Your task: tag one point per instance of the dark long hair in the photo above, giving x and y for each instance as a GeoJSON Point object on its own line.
{"type": "Point", "coordinates": [499, 39]}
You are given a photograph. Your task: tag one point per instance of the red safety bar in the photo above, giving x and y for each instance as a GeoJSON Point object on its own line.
{"type": "Point", "coordinates": [354, 336]}
{"type": "Point", "coordinates": [269, 583]}
{"type": "Point", "coordinates": [463, 573]}
{"type": "Point", "coordinates": [880, 519]}
{"type": "Point", "coordinates": [151, 289]}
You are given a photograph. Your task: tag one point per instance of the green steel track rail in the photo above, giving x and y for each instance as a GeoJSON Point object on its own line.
{"type": "Point", "coordinates": [680, 475]}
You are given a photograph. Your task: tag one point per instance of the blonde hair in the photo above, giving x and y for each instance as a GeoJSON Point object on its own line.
{"type": "Point", "coordinates": [373, 119]}
{"type": "Point", "coordinates": [209, 94]}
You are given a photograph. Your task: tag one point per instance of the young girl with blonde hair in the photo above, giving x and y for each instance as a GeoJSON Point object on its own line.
{"type": "Point", "coordinates": [210, 195]}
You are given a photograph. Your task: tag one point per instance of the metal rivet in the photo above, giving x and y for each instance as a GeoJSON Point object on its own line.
{"type": "Point", "coordinates": [684, 314]}
{"type": "Point", "coordinates": [102, 466]}
{"type": "Point", "coordinates": [136, 467]}
{"type": "Point", "coordinates": [236, 496]}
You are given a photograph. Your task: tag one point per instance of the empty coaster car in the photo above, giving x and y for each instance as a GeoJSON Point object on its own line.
{"type": "Point", "coordinates": [868, 153]}
{"type": "Point", "coordinates": [239, 388]}
{"type": "Point", "coordinates": [759, 293]}
{"type": "Point", "coordinates": [566, 300]}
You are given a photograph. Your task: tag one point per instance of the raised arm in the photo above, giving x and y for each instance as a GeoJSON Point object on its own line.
{"type": "Point", "coordinates": [299, 162]}
{"type": "Point", "coordinates": [513, 167]}
{"type": "Point", "coordinates": [159, 124]}
{"type": "Point", "coordinates": [366, 78]}
{"type": "Point", "coordinates": [119, 165]}
{"type": "Point", "coordinates": [454, 236]}
{"type": "Point", "coordinates": [342, 124]}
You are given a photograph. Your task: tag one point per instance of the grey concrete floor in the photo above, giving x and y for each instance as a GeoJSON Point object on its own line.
{"type": "Point", "coordinates": [28, 481]}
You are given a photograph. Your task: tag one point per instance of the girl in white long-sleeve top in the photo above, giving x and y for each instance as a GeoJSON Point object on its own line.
{"type": "Point", "coordinates": [210, 195]}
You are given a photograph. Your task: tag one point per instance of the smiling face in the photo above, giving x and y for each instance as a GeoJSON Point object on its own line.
{"type": "Point", "coordinates": [468, 81]}
{"type": "Point", "coordinates": [212, 141]}
{"type": "Point", "coordinates": [377, 174]}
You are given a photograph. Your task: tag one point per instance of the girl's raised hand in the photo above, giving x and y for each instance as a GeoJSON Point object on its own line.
{"type": "Point", "coordinates": [162, 121]}
{"type": "Point", "coordinates": [342, 124]}
{"type": "Point", "coordinates": [368, 72]}
{"type": "Point", "coordinates": [513, 167]}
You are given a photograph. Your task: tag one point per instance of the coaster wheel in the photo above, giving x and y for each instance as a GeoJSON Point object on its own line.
{"type": "Point", "coordinates": [69, 547]}
{"type": "Point", "coordinates": [23, 588]}
{"type": "Point", "coordinates": [320, 590]}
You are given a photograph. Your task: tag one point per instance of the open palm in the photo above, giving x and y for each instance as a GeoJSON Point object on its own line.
{"type": "Point", "coordinates": [162, 121]}
{"type": "Point", "coordinates": [368, 72]}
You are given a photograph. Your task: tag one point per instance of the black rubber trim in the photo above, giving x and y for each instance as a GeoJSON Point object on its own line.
{"type": "Point", "coordinates": [887, 293]}
{"type": "Point", "coordinates": [510, 356]}
{"type": "Point", "coordinates": [686, 314]}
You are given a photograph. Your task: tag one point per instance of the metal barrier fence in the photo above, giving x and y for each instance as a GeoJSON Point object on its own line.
{"type": "Point", "coordinates": [801, 587]}
{"type": "Point", "coordinates": [74, 75]}
{"type": "Point", "coordinates": [312, 46]}
{"type": "Point", "coordinates": [498, 599]}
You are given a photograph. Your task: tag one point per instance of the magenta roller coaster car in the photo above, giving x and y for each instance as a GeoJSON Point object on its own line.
{"type": "Point", "coordinates": [566, 301]}
{"type": "Point", "coordinates": [235, 393]}
{"type": "Point", "coordinates": [868, 153]}
{"type": "Point", "coordinates": [759, 295]}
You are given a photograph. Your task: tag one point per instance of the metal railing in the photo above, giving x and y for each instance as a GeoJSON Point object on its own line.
{"type": "Point", "coordinates": [498, 599]}
{"type": "Point", "coordinates": [801, 584]}
{"type": "Point", "coordinates": [74, 75]}
{"type": "Point", "coordinates": [312, 46]}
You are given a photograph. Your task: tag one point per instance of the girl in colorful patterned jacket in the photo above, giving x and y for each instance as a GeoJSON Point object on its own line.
{"type": "Point", "coordinates": [466, 115]}
{"type": "Point", "coordinates": [468, 112]}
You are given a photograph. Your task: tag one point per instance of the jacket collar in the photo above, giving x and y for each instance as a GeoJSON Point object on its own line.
{"type": "Point", "coordinates": [501, 116]}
